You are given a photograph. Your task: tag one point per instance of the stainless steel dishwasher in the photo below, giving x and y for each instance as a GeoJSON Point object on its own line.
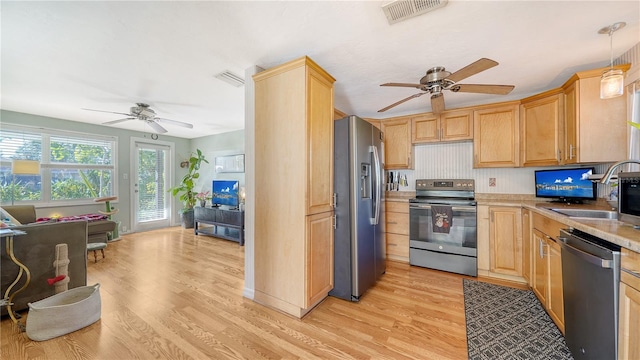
{"type": "Point", "coordinates": [590, 281]}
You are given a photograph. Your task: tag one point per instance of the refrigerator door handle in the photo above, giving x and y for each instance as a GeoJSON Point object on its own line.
{"type": "Point", "coordinates": [378, 185]}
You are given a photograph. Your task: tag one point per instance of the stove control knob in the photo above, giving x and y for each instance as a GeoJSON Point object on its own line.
{"type": "Point", "coordinates": [440, 247]}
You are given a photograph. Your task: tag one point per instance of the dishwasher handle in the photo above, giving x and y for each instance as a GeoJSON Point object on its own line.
{"type": "Point", "coordinates": [603, 263]}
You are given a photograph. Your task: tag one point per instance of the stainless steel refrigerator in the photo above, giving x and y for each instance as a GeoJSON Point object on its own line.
{"type": "Point", "coordinates": [359, 247]}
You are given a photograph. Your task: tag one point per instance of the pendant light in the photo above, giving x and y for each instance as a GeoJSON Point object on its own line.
{"type": "Point", "coordinates": [612, 81]}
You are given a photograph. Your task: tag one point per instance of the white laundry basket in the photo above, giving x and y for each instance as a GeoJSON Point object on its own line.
{"type": "Point", "coordinates": [63, 313]}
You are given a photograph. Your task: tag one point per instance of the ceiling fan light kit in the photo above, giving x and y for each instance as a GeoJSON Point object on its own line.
{"type": "Point", "coordinates": [612, 81]}
{"type": "Point", "coordinates": [438, 79]}
{"type": "Point", "coordinates": [144, 113]}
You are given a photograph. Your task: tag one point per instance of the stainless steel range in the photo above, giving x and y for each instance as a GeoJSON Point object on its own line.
{"type": "Point", "coordinates": [443, 222]}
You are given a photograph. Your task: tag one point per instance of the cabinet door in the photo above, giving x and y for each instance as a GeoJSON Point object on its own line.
{"type": "Point", "coordinates": [397, 223]}
{"type": "Point", "coordinates": [398, 150]}
{"type": "Point", "coordinates": [596, 128]}
{"type": "Point", "coordinates": [526, 246]}
{"type": "Point", "coordinates": [555, 299]}
{"type": "Point", "coordinates": [495, 139]}
{"type": "Point", "coordinates": [629, 324]}
{"type": "Point", "coordinates": [397, 230]}
{"type": "Point", "coordinates": [397, 247]}
{"type": "Point", "coordinates": [456, 125]}
{"type": "Point", "coordinates": [319, 264]}
{"type": "Point", "coordinates": [425, 129]}
{"type": "Point", "coordinates": [319, 143]}
{"type": "Point", "coordinates": [540, 274]}
{"type": "Point", "coordinates": [540, 121]}
{"type": "Point", "coordinates": [571, 113]}
{"type": "Point", "coordinates": [505, 243]}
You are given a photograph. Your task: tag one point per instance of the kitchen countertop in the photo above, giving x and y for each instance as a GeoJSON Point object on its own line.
{"type": "Point", "coordinates": [402, 196]}
{"type": "Point", "coordinates": [613, 231]}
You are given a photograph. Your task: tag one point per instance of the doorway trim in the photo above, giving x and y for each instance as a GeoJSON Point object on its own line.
{"type": "Point", "coordinates": [133, 171]}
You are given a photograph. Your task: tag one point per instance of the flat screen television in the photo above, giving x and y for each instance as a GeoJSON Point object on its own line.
{"type": "Point", "coordinates": [225, 192]}
{"type": "Point", "coordinates": [571, 185]}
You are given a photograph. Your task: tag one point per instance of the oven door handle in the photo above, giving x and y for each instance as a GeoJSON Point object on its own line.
{"type": "Point", "coordinates": [453, 208]}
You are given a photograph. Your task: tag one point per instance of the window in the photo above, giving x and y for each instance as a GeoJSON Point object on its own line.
{"type": "Point", "coordinates": [74, 167]}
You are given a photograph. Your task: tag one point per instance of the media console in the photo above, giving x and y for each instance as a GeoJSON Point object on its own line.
{"type": "Point", "coordinates": [226, 224]}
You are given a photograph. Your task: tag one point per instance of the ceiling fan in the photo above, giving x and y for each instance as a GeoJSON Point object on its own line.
{"type": "Point", "coordinates": [438, 79]}
{"type": "Point", "coordinates": [143, 112]}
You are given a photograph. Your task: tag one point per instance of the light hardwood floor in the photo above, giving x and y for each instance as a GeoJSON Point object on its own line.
{"type": "Point", "coordinates": [167, 294]}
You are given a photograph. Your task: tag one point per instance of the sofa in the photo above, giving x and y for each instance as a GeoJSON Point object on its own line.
{"type": "Point", "coordinates": [36, 250]}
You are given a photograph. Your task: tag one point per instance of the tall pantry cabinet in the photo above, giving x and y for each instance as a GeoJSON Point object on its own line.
{"type": "Point", "coordinates": [294, 186]}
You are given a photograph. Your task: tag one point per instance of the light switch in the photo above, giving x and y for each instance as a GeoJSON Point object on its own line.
{"type": "Point", "coordinates": [125, 176]}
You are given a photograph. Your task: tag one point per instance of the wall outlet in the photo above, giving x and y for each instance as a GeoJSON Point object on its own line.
{"type": "Point", "coordinates": [492, 181]}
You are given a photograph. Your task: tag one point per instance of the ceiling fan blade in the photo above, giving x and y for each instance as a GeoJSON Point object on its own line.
{"type": "Point", "coordinates": [110, 112]}
{"type": "Point", "coordinates": [472, 69]}
{"type": "Point", "coordinates": [437, 103]}
{"type": "Point", "coordinates": [156, 127]}
{"type": "Point", "coordinates": [483, 88]}
{"type": "Point", "coordinates": [401, 101]}
{"type": "Point", "coordinates": [403, 85]}
{"type": "Point", "coordinates": [117, 121]}
{"type": "Point", "coordinates": [175, 122]}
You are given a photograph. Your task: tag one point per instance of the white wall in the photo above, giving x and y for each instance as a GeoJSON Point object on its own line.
{"type": "Point", "coordinates": [231, 143]}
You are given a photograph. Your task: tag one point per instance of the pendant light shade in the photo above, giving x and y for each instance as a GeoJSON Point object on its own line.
{"type": "Point", "coordinates": [611, 84]}
{"type": "Point", "coordinates": [612, 81]}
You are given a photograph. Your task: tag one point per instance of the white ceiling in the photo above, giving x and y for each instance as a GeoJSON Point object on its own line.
{"type": "Point", "coordinates": [61, 57]}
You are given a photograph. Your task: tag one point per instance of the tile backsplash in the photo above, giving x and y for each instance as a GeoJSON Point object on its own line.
{"type": "Point", "coordinates": [455, 161]}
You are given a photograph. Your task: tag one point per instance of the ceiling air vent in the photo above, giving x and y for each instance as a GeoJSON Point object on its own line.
{"type": "Point", "coordinates": [231, 78]}
{"type": "Point", "coordinates": [400, 10]}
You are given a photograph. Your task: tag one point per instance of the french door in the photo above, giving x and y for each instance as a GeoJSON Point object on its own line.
{"type": "Point", "coordinates": [151, 180]}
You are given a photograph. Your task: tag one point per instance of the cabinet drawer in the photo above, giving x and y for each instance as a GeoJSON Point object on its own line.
{"type": "Point", "coordinates": [397, 206]}
{"type": "Point", "coordinates": [630, 262]}
{"type": "Point", "coordinates": [398, 245]}
{"type": "Point", "coordinates": [230, 217]}
{"type": "Point", "coordinates": [398, 223]}
{"type": "Point", "coordinates": [547, 226]}
{"type": "Point", "coordinates": [205, 214]}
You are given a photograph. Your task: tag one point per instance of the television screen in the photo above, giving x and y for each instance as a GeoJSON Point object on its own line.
{"type": "Point", "coordinates": [566, 184]}
{"type": "Point", "coordinates": [225, 192]}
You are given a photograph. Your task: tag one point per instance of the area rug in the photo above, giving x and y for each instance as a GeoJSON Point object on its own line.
{"type": "Point", "coordinates": [507, 323]}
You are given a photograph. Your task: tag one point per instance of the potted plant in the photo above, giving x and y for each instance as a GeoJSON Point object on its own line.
{"type": "Point", "coordinates": [203, 196]}
{"type": "Point", "coordinates": [184, 190]}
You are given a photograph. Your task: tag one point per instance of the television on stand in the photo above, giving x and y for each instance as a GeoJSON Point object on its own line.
{"type": "Point", "coordinates": [225, 192]}
{"type": "Point", "coordinates": [567, 185]}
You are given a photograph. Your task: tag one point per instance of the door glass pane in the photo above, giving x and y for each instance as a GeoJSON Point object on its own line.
{"type": "Point", "coordinates": [152, 186]}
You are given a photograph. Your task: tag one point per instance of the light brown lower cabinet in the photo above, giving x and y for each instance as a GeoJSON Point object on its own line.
{"type": "Point", "coordinates": [319, 264]}
{"type": "Point", "coordinates": [499, 242]}
{"type": "Point", "coordinates": [505, 242]}
{"type": "Point", "coordinates": [397, 230]}
{"type": "Point", "coordinates": [629, 311]}
{"type": "Point", "coordinates": [547, 267]}
{"type": "Point", "coordinates": [526, 246]}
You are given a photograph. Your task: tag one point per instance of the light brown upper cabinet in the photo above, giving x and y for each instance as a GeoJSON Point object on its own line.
{"type": "Point", "coordinates": [398, 150]}
{"type": "Point", "coordinates": [541, 123]}
{"type": "Point", "coordinates": [447, 126]}
{"type": "Point", "coordinates": [496, 136]}
{"type": "Point", "coordinates": [294, 169]}
{"type": "Point", "coordinates": [595, 129]}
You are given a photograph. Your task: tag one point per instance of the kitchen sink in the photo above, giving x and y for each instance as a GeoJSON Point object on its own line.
{"type": "Point", "coordinates": [586, 213]}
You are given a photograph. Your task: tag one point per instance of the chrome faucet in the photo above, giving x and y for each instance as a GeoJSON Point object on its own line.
{"type": "Point", "coordinates": [607, 175]}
